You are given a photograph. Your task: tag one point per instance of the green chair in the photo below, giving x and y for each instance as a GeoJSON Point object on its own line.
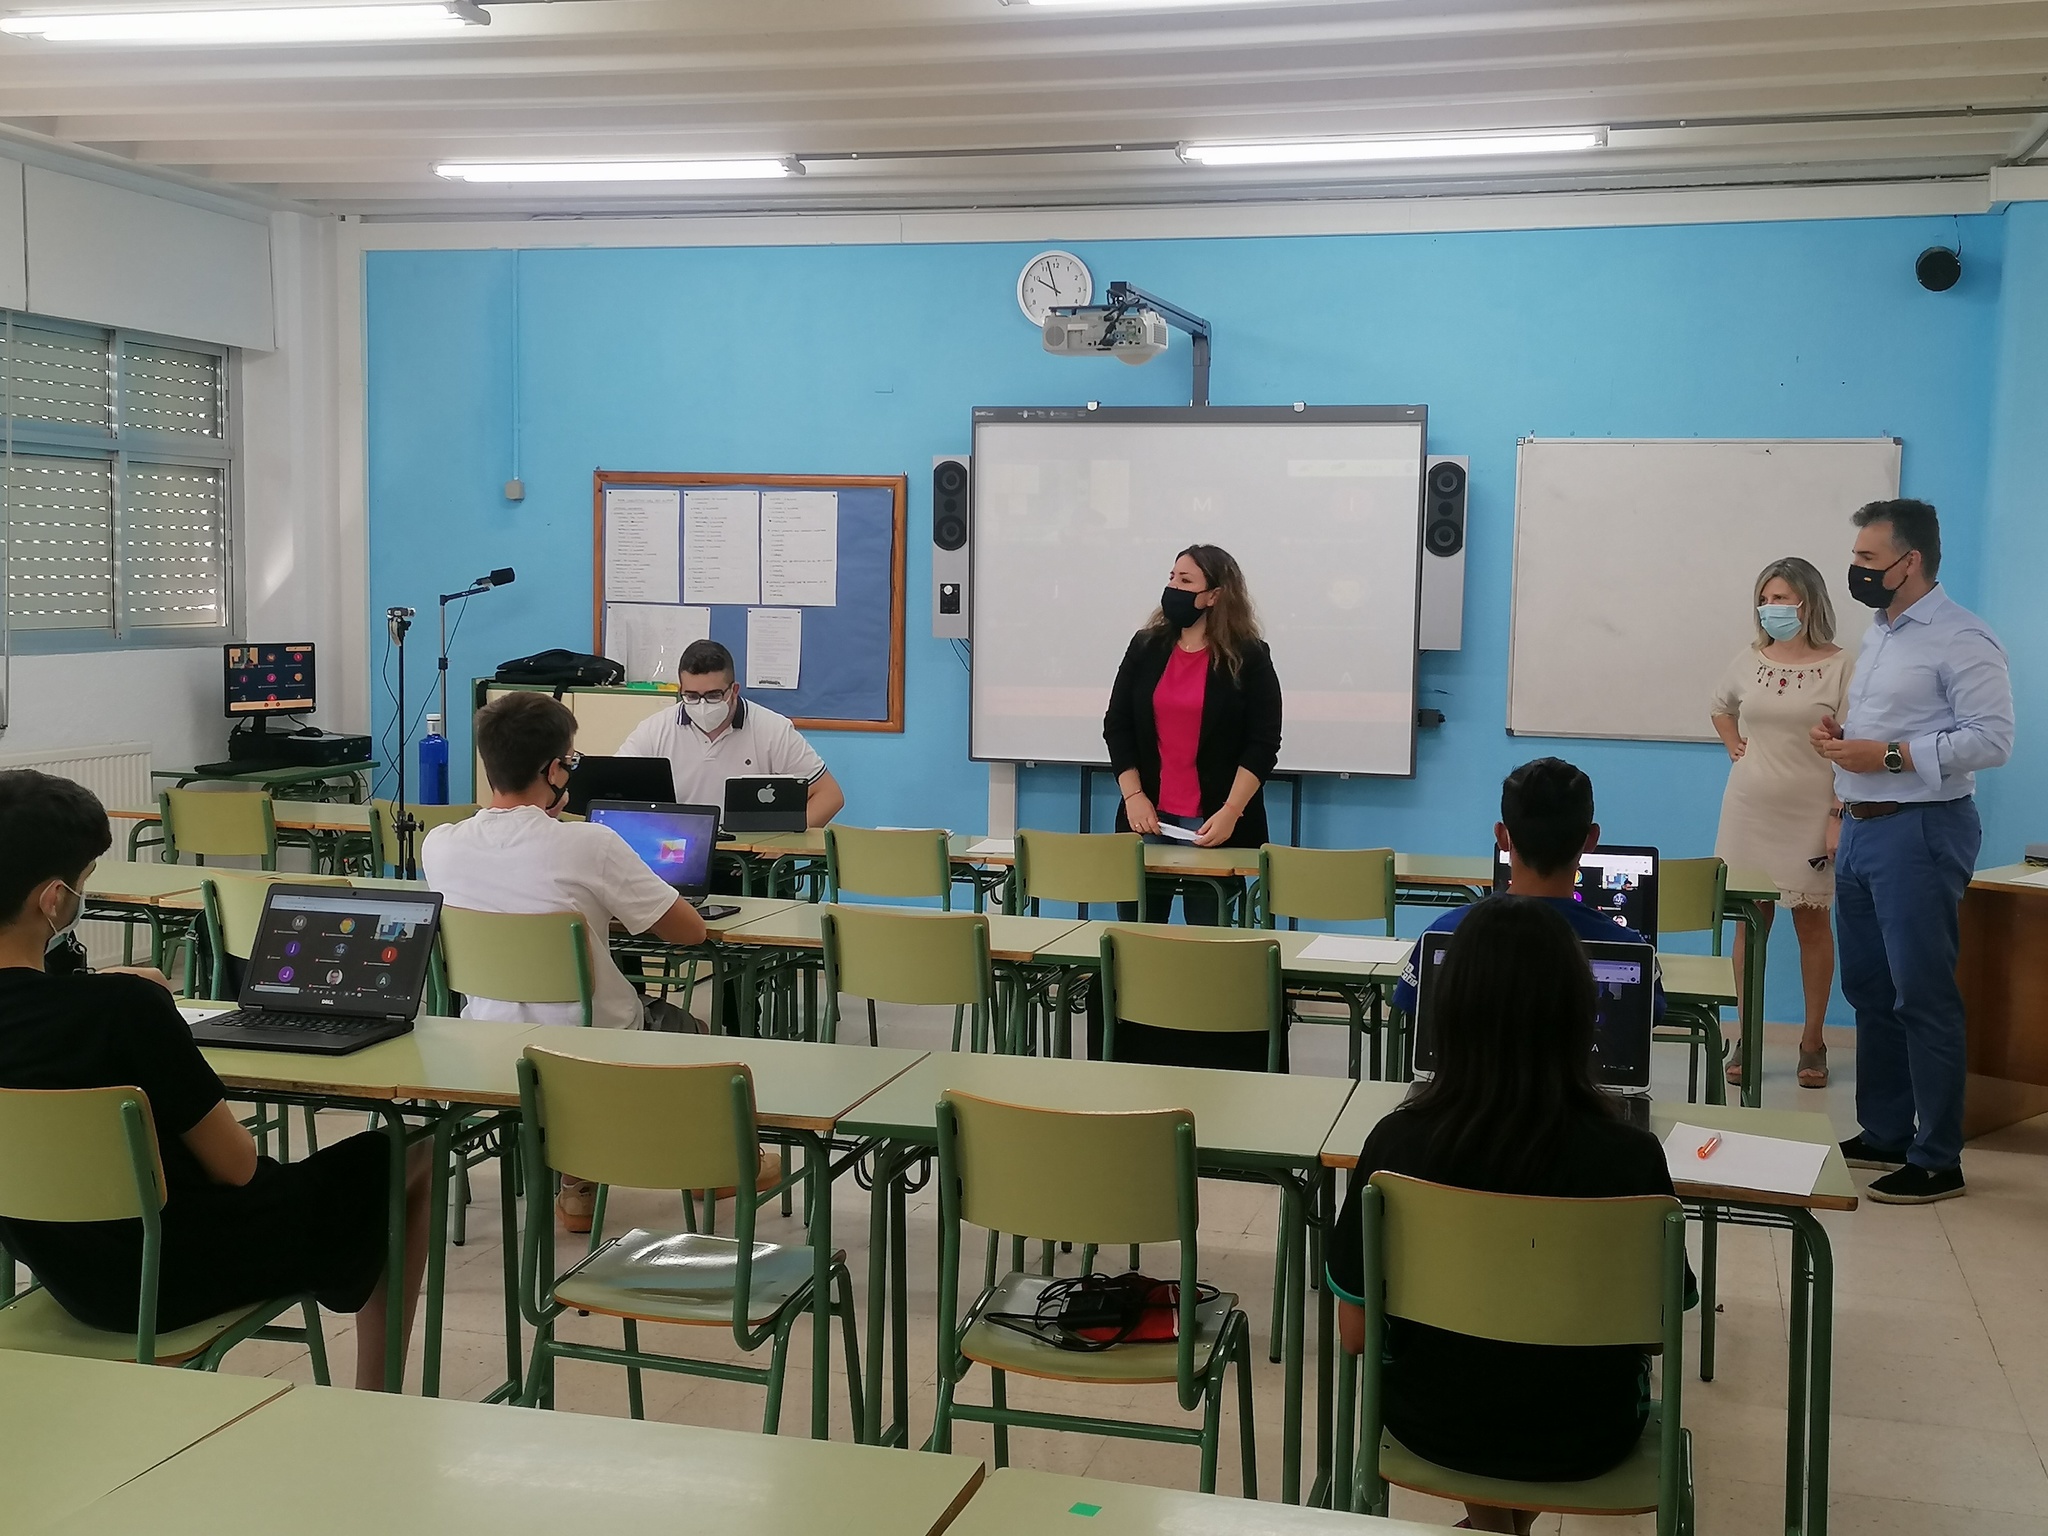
{"type": "Point", "coordinates": [217, 824]}
{"type": "Point", "coordinates": [659, 1127]}
{"type": "Point", "coordinates": [1574, 1273]}
{"type": "Point", "coordinates": [1041, 1173]}
{"type": "Point", "coordinates": [516, 957]}
{"type": "Point", "coordinates": [1690, 893]}
{"type": "Point", "coordinates": [1198, 986]}
{"type": "Point", "coordinates": [1084, 868]}
{"type": "Point", "coordinates": [906, 864]}
{"type": "Point", "coordinates": [384, 841]}
{"type": "Point", "coordinates": [926, 959]}
{"type": "Point", "coordinates": [1333, 885]}
{"type": "Point", "coordinates": [90, 1154]}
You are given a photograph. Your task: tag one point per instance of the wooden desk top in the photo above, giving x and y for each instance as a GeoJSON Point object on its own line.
{"type": "Point", "coordinates": [291, 775]}
{"type": "Point", "coordinates": [1014, 1502]}
{"type": "Point", "coordinates": [1083, 946]}
{"type": "Point", "coordinates": [2012, 877]}
{"type": "Point", "coordinates": [801, 925]}
{"type": "Point", "coordinates": [324, 1461]}
{"type": "Point", "coordinates": [1253, 1117]}
{"type": "Point", "coordinates": [139, 884]}
{"type": "Point", "coordinates": [289, 815]}
{"type": "Point", "coordinates": [74, 1431]}
{"type": "Point", "coordinates": [1454, 869]}
{"type": "Point", "coordinates": [456, 1061]}
{"type": "Point", "coordinates": [1834, 1190]}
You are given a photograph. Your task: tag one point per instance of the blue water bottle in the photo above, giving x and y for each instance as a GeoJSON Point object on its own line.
{"type": "Point", "coordinates": [433, 764]}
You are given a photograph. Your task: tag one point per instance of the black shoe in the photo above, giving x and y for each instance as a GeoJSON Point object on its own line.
{"type": "Point", "coordinates": [1914, 1185]}
{"type": "Point", "coordinates": [1860, 1152]}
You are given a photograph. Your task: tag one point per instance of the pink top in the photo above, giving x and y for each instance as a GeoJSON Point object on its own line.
{"type": "Point", "coordinates": [1177, 708]}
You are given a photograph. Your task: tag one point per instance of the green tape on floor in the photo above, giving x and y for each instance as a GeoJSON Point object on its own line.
{"type": "Point", "coordinates": [1087, 1510]}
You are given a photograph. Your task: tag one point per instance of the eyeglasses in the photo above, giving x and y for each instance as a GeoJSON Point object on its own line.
{"type": "Point", "coordinates": [706, 698]}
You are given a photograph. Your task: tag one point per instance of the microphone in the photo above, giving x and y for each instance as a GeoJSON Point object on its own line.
{"type": "Point", "coordinates": [501, 577]}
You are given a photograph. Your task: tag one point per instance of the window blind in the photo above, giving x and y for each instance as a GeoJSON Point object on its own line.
{"type": "Point", "coordinates": [166, 390]}
{"type": "Point", "coordinates": [174, 546]}
{"type": "Point", "coordinates": [57, 377]}
{"type": "Point", "coordinates": [60, 545]}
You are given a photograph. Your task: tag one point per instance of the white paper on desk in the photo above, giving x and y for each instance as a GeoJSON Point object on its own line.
{"type": "Point", "coordinates": [1178, 834]}
{"type": "Point", "coordinates": [647, 638]}
{"type": "Point", "coordinates": [2038, 877]}
{"type": "Point", "coordinates": [775, 647]}
{"type": "Point", "coordinates": [721, 547]}
{"type": "Point", "coordinates": [993, 845]}
{"type": "Point", "coordinates": [1356, 949]}
{"type": "Point", "coordinates": [1741, 1161]}
{"type": "Point", "coordinates": [800, 548]}
{"type": "Point", "coordinates": [640, 529]}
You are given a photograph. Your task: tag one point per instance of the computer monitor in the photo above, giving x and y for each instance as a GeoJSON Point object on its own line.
{"type": "Point", "coordinates": [1618, 881]}
{"type": "Point", "coordinates": [320, 949]}
{"type": "Point", "coordinates": [642, 780]}
{"type": "Point", "coordinates": [675, 841]}
{"type": "Point", "coordinates": [264, 680]}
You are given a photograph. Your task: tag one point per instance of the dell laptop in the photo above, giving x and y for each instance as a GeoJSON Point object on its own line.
{"type": "Point", "coordinates": [675, 841]}
{"type": "Point", "coordinates": [767, 805]}
{"type": "Point", "coordinates": [1616, 880]}
{"type": "Point", "coordinates": [1624, 1013]}
{"type": "Point", "coordinates": [619, 778]}
{"type": "Point", "coordinates": [332, 970]}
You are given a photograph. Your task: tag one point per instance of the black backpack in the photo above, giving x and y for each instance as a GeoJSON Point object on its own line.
{"type": "Point", "coordinates": [561, 669]}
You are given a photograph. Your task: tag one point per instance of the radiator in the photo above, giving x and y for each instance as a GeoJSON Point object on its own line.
{"type": "Point", "coordinates": [119, 774]}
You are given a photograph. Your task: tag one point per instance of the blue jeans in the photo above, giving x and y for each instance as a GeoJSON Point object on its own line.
{"type": "Point", "coordinates": [1899, 883]}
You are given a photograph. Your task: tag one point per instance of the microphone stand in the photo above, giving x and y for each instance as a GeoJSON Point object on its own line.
{"type": "Point", "coordinates": [404, 825]}
{"type": "Point", "coordinates": [476, 588]}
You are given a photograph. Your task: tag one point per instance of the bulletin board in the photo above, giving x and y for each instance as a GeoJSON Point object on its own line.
{"type": "Point", "coordinates": [799, 576]}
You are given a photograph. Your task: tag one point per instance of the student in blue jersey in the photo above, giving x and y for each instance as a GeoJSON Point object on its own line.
{"type": "Point", "coordinates": [1546, 822]}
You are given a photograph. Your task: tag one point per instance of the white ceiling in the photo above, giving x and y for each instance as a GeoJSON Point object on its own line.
{"type": "Point", "coordinates": [974, 103]}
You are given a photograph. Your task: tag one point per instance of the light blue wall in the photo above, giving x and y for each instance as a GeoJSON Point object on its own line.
{"type": "Point", "coordinates": [866, 360]}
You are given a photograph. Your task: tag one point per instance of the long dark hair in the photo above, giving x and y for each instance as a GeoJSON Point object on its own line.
{"type": "Point", "coordinates": [1512, 1013]}
{"type": "Point", "coordinates": [1233, 622]}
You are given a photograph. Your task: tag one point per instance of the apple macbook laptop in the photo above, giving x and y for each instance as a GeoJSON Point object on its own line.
{"type": "Point", "coordinates": [1616, 880]}
{"type": "Point", "coordinates": [649, 779]}
{"type": "Point", "coordinates": [331, 971]}
{"type": "Point", "coordinates": [675, 841]}
{"type": "Point", "coordinates": [767, 805]}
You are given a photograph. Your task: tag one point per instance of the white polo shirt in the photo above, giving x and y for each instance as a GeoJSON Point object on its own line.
{"type": "Point", "coordinates": [523, 860]}
{"type": "Point", "coordinates": [763, 745]}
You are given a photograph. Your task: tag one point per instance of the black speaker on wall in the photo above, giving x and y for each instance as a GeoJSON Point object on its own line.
{"type": "Point", "coordinates": [951, 528]}
{"type": "Point", "coordinates": [1442, 626]}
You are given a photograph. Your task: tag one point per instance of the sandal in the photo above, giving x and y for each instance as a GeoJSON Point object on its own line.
{"type": "Point", "coordinates": [1734, 1072]}
{"type": "Point", "coordinates": [1813, 1068]}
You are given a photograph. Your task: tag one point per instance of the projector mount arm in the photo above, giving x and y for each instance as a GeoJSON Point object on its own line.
{"type": "Point", "coordinates": [1126, 297]}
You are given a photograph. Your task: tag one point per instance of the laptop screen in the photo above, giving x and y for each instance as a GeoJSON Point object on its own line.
{"type": "Point", "coordinates": [359, 952]}
{"type": "Point", "coordinates": [1616, 881]}
{"type": "Point", "coordinates": [1624, 979]}
{"type": "Point", "coordinates": [650, 780]}
{"type": "Point", "coordinates": [675, 841]}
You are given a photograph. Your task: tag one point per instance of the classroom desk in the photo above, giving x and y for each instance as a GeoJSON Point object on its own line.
{"type": "Point", "coordinates": [1269, 1125]}
{"type": "Point", "coordinates": [1014, 1502]}
{"type": "Point", "coordinates": [126, 892]}
{"type": "Point", "coordinates": [283, 779]}
{"type": "Point", "coordinates": [2002, 969]}
{"type": "Point", "coordinates": [73, 1431]}
{"type": "Point", "coordinates": [1748, 893]}
{"type": "Point", "coordinates": [1810, 1342]}
{"type": "Point", "coordinates": [322, 1461]}
{"type": "Point", "coordinates": [318, 822]}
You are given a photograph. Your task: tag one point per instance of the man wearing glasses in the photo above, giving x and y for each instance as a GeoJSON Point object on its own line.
{"type": "Point", "coordinates": [714, 734]}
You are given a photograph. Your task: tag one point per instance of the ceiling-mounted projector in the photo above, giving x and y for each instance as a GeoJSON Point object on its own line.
{"type": "Point", "coordinates": [1136, 336]}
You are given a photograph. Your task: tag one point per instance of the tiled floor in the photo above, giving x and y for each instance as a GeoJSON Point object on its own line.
{"type": "Point", "coordinates": [1941, 1358]}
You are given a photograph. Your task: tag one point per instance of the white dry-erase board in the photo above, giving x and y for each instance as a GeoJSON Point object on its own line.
{"type": "Point", "coordinates": [1078, 515]}
{"type": "Point", "coordinates": [1635, 564]}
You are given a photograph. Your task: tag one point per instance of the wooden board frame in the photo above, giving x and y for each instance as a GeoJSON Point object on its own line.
{"type": "Point", "coordinates": [899, 487]}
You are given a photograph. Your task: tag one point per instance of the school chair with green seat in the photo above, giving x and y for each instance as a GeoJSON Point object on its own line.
{"type": "Point", "coordinates": [1690, 894]}
{"type": "Point", "coordinates": [925, 959]}
{"type": "Point", "coordinates": [905, 863]}
{"type": "Point", "coordinates": [659, 1127]}
{"type": "Point", "coordinates": [1527, 1270]}
{"type": "Point", "coordinates": [1084, 868]}
{"type": "Point", "coordinates": [515, 957]}
{"type": "Point", "coordinates": [217, 824]}
{"type": "Point", "coordinates": [384, 841]}
{"type": "Point", "coordinates": [1041, 1173]}
{"type": "Point", "coordinates": [1333, 885]}
{"type": "Point", "coordinates": [90, 1154]}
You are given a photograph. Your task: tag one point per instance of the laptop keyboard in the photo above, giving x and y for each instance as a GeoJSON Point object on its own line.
{"type": "Point", "coordinates": [306, 1023]}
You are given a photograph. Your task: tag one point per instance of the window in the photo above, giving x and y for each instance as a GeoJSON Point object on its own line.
{"type": "Point", "coordinates": [116, 487]}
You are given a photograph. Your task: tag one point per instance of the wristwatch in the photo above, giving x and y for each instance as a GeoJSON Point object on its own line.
{"type": "Point", "coordinates": [1894, 759]}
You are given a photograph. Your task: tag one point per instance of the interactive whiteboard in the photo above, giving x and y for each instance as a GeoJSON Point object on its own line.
{"type": "Point", "coordinates": [1077, 517]}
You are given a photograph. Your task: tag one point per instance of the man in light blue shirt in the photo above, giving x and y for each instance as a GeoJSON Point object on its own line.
{"type": "Point", "coordinates": [1930, 704]}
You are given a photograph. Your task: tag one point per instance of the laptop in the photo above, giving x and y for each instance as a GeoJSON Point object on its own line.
{"type": "Point", "coordinates": [651, 779]}
{"type": "Point", "coordinates": [1617, 880]}
{"type": "Point", "coordinates": [767, 805]}
{"type": "Point", "coordinates": [331, 970]}
{"type": "Point", "coordinates": [675, 841]}
{"type": "Point", "coordinates": [1625, 1011]}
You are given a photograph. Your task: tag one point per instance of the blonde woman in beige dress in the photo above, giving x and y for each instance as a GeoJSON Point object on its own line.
{"type": "Point", "coordinates": [1779, 813]}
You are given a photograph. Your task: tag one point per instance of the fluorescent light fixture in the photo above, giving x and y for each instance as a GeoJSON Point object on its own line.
{"type": "Point", "coordinates": [1131, 5]}
{"type": "Point", "coordinates": [623, 170]}
{"type": "Point", "coordinates": [296, 24]}
{"type": "Point", "coordinates": [1413, 147]}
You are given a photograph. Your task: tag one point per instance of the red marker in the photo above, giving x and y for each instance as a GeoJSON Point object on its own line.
{"type": "Point", "coordinates": [1707, 1148]}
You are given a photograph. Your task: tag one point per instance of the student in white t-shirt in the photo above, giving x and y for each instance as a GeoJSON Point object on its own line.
{"type": "Point", "coordinates": [515, 856]}
{"type": "Point", "coordinates": [714, 734]}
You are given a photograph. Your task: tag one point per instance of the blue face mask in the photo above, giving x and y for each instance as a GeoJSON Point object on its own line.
{"type": "Point", "coordinates": [1780, 621]}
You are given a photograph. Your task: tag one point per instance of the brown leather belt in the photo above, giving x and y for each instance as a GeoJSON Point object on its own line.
{"type": "Point", "coordinates": [1871, 810]}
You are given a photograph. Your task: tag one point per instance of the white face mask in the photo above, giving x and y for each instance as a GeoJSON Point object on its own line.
{"type": "Point", "coordinates": [68, 934]}
{"type": "Point", "coordinates": [708, 715]}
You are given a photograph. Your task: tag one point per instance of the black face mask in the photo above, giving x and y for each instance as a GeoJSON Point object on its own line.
{"type": "Point", "coordinates": [1177, 604]}
{"type": "Point", "coordinates": [1866, 583]}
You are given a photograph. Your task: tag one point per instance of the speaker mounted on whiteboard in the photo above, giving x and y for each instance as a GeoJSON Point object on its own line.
{"type": "Point", "coordinates": [952, 533]}
{"type": "Point", "coordinates": [1443, 552]}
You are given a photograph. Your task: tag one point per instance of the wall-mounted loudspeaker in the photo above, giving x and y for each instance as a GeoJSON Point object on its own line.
{"type": "Point", "coordinates": [1939, 268]}
{"type": "Point", "coordinates": [1443, 553]}
{"type": "Point", "coordinates": [952, 526]}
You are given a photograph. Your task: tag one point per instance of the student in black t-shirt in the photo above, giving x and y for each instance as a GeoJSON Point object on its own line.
{"type": "Point", "coordinates": [237, 1228]}
{"type": "Point", "coordinates": [1513, 1108]}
